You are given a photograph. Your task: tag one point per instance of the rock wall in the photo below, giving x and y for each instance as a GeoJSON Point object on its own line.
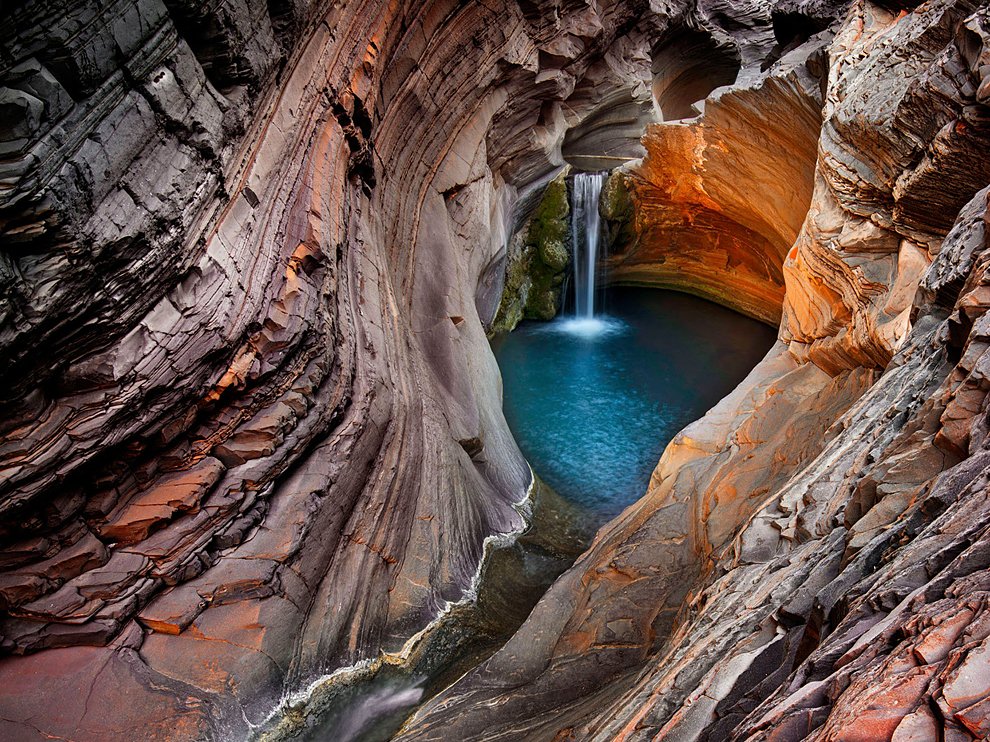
{"type": "Point", "coordinates": [719, 198]}
{"type": "Point", "coordinates": [809, 562]}
{"type": "Point", "coordinates": [251, 423]}
{"type": "Point", "coordinates": [251, 427]}
{"type": "Point", "coordinates": [537, 260]}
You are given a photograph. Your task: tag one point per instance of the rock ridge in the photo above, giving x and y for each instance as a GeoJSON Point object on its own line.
{"type": "Point", "coordinates": [807, 562]}
{"type": "Point", "coordinates": [251, 423]}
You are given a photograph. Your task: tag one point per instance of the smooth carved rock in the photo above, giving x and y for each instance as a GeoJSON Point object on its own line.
{"type": "Point", "coordinates": [250, 417]}
{"type": "Point", "coordinates": [718, 200]}
{"type": "Point", "coordinates": [830, 583]}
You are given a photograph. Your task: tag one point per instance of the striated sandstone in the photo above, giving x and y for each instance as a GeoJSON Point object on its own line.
{"type": "Point", "coordinates": [808, 562]}
{"type": "Point", "coordinates": [251, 427]}
{"type": "Point", "coordinates": [251, 423]}
{"type": "Point", "coordinates": [719, 198]}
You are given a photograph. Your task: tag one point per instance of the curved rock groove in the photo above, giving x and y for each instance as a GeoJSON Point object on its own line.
{"type": "Point", "coordinates": [251, 426]}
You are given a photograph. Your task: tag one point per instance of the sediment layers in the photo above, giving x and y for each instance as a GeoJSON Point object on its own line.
{"type": "Point", "coordinates": [810, 559]}
{"type": "Point", "coordinates": [251, 422]}
{"type": "Point", "coordinates": [719, 198]}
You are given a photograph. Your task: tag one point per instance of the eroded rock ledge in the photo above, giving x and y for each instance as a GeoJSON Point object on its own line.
{"type": "Point", "coordinates": [251, 423]}
{"type": "Point", "coordinates": [251, 427]}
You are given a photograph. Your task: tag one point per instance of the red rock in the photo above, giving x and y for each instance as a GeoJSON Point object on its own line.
{"type": "Point", "coordinates": [237, 254]}
{"type": "Point", "coordinates": [919, 726]}
{"type": "Point", "coordinates": [152, 508]}
{"type": "Point", "coordinates": [939, 640]}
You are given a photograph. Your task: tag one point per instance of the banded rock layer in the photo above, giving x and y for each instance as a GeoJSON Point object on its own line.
{"type": "Point", "coordinates": [719, 199]}
{"type": "Point", "coordinates": [810, 560]}
{"type": "Point", "coordinates": [251, 424]}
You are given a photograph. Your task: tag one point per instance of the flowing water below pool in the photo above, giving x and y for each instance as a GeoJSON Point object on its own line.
{"type": "Point", "coordinates": [594, 401]}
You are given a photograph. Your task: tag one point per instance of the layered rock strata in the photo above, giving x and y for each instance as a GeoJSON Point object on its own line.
{"type": "Point", "coordinates": [251, 423]}
{"type": "Point", "coordinates": [251, 429]}
{"type": "Point", "coordinates": [810, 559]}
{"type": "Point", "coordinates": [719, 198]}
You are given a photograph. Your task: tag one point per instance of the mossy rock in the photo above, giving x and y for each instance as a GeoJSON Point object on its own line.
{"type": "Point", "coordinates": [512, 305]}
{"type": "Point", "coordinates": [549, 222]}
{"type": "Point", "coordinates": [548, 236]}
{"type": "Point", "coordinates": [538, 262]}
{"type": "Point", "coordinates": [554, 255]}
{"type": "Point", "coordinates": [618, 211]}
{"type": "Point", "coordinates": [509, 315]}
{"type": "Point", "coordinates": [542, 303]}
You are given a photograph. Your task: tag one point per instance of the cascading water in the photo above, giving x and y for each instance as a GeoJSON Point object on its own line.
{"type": "Point", "coordinates": [585, 230]}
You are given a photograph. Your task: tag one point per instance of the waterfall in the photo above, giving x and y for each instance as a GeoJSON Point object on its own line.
{"type": "Point", "coordinates": [585, 230]}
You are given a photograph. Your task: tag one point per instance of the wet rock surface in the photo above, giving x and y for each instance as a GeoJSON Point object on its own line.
{"type": "Point", "coordinates": [808, 561]}
{"type": "Point", "coordinates": [537, 260]}
{"type": "Point", "coordinates": [251, 423]}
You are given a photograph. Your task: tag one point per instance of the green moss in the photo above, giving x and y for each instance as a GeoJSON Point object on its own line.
{"type": "Point", "coordinates": [554, 255]}
{"type": "Point", "coordinates": [549, 221]}
{"type": "Point", "coordinates": [542, 304]}
{"type": "Point", "coordinates": [547, 238]}
{"type": "Point", "coordinates": [535, 272]}
{"type": "Point", "coordinates": [617, 209]}
{"type": "Point", "coordinates": [514, 293]}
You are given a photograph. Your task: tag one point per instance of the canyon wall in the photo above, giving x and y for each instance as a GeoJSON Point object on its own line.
{"type": "Point", "coordinates": [810, 561]}
{"type": "Point", "coordinates": [251, 426]}
{"type": "Point", "coordinates": [719, 199]}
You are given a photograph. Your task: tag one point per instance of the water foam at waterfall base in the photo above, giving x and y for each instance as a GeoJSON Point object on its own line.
{"type": "Point", "coordinates": [588, 328]}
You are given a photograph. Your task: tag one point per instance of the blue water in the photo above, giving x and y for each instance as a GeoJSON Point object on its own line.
{"type": "Point", "coordinates": [593, 403]}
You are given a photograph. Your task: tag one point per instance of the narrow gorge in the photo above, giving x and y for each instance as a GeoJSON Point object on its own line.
{"type": "Point", "coordinates": [301, 301]}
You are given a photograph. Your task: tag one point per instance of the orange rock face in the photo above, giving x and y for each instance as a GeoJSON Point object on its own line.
{"type": "Point", "coordinates": [718, 200]}
{"type": "Point", "coordinates": [250, 417]}
{"type": "Point", "coordinates": [250, 428]}
{"type": "Point", "coordinates": [810, 561]}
